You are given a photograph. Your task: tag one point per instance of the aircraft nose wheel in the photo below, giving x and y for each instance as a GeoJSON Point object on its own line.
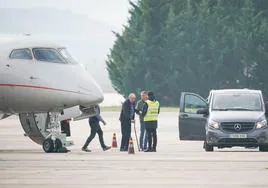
{"type": "Point", "coordinates": [58, 147]}
{"type": "Point", "coordinates": [48, 145]}
{"type": "Point", "coordinates": [58, 144]}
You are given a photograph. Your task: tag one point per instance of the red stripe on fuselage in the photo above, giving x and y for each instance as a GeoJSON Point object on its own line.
{"type": "Point", "coordinates": [39, 87]}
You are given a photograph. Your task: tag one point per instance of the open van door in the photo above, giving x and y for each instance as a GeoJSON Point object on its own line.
{"type": "Point", "coordinates": [192, 124]}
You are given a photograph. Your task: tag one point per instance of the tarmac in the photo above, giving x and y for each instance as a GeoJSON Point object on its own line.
{"type": "Point", "coordinates": [175, 164]}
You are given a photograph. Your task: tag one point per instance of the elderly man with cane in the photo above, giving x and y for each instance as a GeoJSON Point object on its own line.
{"type": "Point", "coordinates": [127, 116]}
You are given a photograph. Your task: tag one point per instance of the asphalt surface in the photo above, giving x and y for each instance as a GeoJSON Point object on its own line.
{"type": "Point", "coordinates": [175, 164]}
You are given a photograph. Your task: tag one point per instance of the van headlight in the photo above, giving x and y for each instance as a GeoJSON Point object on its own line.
{"type": "Point", "coordinates": [261, 124]}
{"type": "Point", "coordinates": [213, 124]}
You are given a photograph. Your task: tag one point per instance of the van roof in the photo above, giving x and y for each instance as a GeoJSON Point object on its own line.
{"type": "Point", "coordinates": [236, 91]}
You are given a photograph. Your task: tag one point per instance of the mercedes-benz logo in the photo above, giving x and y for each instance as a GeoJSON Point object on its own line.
{"type": "Point", "coordinates": [237, 127]}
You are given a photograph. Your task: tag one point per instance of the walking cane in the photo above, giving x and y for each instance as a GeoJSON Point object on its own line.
{"type": "Point", "coordinates": [135, 131]}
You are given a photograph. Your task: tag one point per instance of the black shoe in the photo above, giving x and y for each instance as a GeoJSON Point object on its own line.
{"type": "Point", "coordinates": [148, 150]}
{"type": "Point", "coordinates": [106, 148]}
{"type": "Point", "coordinates": [86, 150]}
{"type": "Point", "coordinates": [153, 150]}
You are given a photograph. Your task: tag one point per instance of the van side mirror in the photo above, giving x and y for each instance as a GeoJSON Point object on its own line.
{"type": "Point", "coordinates": [203, 111]}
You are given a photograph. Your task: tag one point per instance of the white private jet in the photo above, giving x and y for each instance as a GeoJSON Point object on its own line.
{"type": "Point", "coordinates": [44, 85]}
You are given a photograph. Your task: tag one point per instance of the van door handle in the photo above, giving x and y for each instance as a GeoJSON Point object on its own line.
{"type": "Point", "coordinates": [184, 116]}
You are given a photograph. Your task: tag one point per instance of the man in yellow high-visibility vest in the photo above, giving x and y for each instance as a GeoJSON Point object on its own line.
{"type": "Point", "coordinates": [150, 111]}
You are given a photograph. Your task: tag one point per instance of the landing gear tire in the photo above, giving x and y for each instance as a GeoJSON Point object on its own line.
{"type": "Point", "coordinates": [263, 148]}
{"type": "Point", "coordinates": [48, 145]}
{"type": "Point", "coordinates": [59, 148]}
{"type": "Point", "coordinates": [208, 148]}
{"type": "Point", "coordinates": [58, 145]}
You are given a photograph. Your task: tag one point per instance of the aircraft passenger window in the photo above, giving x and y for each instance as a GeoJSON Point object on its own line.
{"type": "Point", "coordinates": [193, 104]}
{"type": "Point", "coordinates": [49, 55]}
{"type": "Point", "coordinates": [21, 54]}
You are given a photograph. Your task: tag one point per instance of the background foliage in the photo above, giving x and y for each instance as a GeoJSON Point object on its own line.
{"type": "Point", "coordinates": [170, 46]}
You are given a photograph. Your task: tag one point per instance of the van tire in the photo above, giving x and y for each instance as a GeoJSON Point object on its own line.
{"type": "Point", "coordinates": [208, 148]}
{"type": "Point", "coordinates": [263, 148]}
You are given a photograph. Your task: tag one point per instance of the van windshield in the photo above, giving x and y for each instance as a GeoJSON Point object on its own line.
{"type": "Point", "coordinates": [251, 102]}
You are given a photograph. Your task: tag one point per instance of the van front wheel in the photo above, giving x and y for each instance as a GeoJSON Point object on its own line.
{"type": "Point", "coordinates": [208, 148]}
{"type": "Point", "coordinates": [263, 148]}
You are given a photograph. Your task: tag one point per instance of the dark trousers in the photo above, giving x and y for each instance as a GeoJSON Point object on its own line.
{"type": "Point", "coordinates": [126, 132]}
{"type": "Point", "coordinates": [152, 137]}
{"type": "Point", "coordinates": [95, 128]}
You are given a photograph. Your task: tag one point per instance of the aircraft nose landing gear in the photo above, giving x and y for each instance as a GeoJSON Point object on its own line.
{"type": "Point", "coordinates": [55, 141]}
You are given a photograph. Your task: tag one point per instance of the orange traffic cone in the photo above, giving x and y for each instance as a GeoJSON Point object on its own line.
{"type": "Point", "coordinates": [114, 143]}
{"type": "Point", "coordinates": [131, 147]}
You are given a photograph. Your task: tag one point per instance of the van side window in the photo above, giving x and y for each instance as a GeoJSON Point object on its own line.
{"type": "Point", "coordinates": [24, 53]}
{"type": "Point", "coordinates": [193, 104]}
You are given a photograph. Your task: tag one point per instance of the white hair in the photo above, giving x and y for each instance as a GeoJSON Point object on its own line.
{"type": "Point", "coordinates": [131, 95]}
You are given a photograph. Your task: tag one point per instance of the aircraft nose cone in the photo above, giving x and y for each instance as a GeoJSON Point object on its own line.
{"type": "Point", "coordinates": [94, 93]}
{"type": "Point", "coordinates": [98, 94]}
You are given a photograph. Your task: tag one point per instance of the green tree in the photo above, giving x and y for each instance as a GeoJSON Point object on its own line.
{"type": "Point", "coordinates": [195, 45]}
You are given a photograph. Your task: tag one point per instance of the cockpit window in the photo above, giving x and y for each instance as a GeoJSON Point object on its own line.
{"type": "Point", "coordinates": [67, 56]}
{"type": "Point", "coordinates": [49, 55]}
{"type": "Point", "coordinates": [24, 53]}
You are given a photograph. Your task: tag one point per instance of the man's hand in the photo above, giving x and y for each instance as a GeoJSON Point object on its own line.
{"type": "Point", "coordinates": [104, 123]}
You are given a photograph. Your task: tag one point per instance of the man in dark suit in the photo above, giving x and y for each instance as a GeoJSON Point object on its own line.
{"type": "Point", "coordinates": [127, 115]}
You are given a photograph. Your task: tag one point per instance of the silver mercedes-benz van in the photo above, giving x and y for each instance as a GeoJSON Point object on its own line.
{"type": "Point", "coordinates": [228, 118]}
